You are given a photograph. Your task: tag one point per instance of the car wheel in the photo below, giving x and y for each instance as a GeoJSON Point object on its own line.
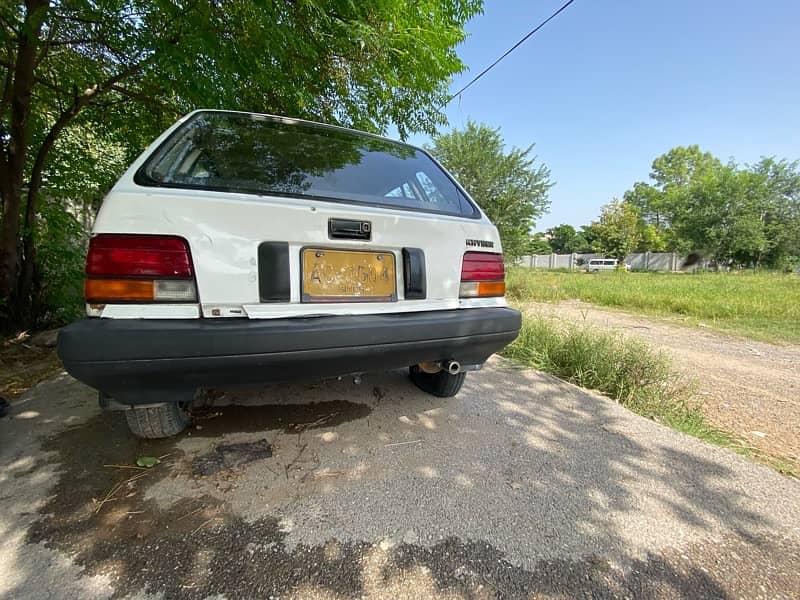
{"type": "Point", "coordinates": [441, 384]}
{"type": "Point", "coordinates": [160, 421]}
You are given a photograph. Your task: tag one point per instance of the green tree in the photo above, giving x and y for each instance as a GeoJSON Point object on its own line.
{"type": "Point", "coordinates": [652, 239]}
{"type": "Point", "coordinates": [747, 216]}
{"type": "Point", "coordinates": [680, 167]}
{"type": "Point", "coordinates": [124, 69]}
{"type": "Point", "coordinates": [648, 200]}
{"type": "Point", "coordinates": [695, 203]}
{"type": "Point", "coordinates": [508, 186]}
{"type": "Point", "coordinates": [82, 166]}
{"type": "Point", "coordinates": [779, 210]}
{"type": "Point", "coordinates": [590, 233]}
{"type": "Point", "coordinates": [667, 199]}
{"type": "Point", "coordinates": [618, 230]}
{"type": "Point", "coordinates": [565, 240]}
{"type": "Point", "coordinates": [538, 244]}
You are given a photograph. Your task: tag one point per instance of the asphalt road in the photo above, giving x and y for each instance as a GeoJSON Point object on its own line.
{"type": "Point", "coordinates": [522, 487]}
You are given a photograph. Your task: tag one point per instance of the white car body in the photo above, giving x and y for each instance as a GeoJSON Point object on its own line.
{"type": "Point", "coordinates": [149, 352]}
{"type": "Point", "coordinates": [226, 228]}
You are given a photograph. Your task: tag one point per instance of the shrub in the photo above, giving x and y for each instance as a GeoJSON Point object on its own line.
{"type": "Point", "coordinates": [627, 370]}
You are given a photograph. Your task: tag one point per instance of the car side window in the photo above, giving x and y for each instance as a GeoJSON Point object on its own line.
{"type": "Point", "coordinates": [401, 191]}
{"type": "Point", "coordinates": [434, 195]}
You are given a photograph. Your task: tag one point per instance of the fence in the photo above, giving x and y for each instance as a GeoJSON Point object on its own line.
{"type": "Point", "coordinates": [640, 261]}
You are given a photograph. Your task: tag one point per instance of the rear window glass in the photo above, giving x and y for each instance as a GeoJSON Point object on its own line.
{"type": "Point", "coordinates": [262, 155]}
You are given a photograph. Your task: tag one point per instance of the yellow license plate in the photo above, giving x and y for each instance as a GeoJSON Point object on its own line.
{"type": "Point", "coordinates": [348, 276]}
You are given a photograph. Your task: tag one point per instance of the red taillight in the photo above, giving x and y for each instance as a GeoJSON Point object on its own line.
{"type": "Point", "coordinates": [482, 266]}
{"type": "Point", "coordinates": [139, 268]}
{"type": "Point", "coordinates": [482, 275]}
{"type": "Point", "coordinates": [138, 256]}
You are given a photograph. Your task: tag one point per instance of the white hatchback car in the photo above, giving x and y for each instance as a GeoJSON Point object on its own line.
{"type": "Point", "coordinates": [246, 248]}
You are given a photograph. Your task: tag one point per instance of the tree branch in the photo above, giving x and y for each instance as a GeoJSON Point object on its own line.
{"type": "Point", "coordinates": [5, 99]}
{"type": "Point", "coordinates": [20, 97]}
{"type": "Point", "coordinates": [36, 78]}
{"type": "Point", "coordinates": [145, 98]}
{"type": "Point", "coordinates": [79, 102]}
{"type": "Point", "coordinates": [75, 42]}
{"type": "Point", "coordinates": [46, 46]}
{"type": "Point", "coordinates": [35, 183]}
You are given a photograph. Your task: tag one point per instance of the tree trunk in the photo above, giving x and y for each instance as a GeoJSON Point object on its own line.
{"type": "Point", "coordinates": [24, 301]}
{"type": "Point", "coordinates": [15, 148]}
{"type": "Point", "coordinates": [9, 234]}
{"type": "Point", "coordinates": [25, 284]}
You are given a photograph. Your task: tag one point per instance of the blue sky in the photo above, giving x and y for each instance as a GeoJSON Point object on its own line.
{"type": "Point", "coordinates": [610, 84]}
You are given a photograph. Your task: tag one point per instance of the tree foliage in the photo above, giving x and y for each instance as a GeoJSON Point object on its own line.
{"type": "Point", "coordinates": [731, 214]}
{"type": "Point", "coordinates": [508, 185]}
{"type": "Point", "coordinates": [744, 215]}
{"type": "Point", "coordinates": [564, 239]}
{"type": "Point", "coordinates": [538, 244]}
{"type": "Point", "coordinates": [619, 230]}
{"type": "Point", "coordinates": [651, 238]}
{"type": "Point", "coordinates": [124, 69]}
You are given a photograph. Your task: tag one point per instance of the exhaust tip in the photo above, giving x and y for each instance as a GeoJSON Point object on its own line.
{"type": "Point", "coordinates": [453, 367]}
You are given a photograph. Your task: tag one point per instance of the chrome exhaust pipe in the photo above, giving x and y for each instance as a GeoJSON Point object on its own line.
{"type": "Point", "coordinates": [453, 367]}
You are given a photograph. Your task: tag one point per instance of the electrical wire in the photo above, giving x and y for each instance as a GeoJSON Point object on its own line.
{"type": "Point", "coordinates": [507, 52]}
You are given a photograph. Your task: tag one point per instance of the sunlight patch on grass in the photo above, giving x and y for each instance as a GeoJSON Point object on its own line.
{"type": "Point", "coordinates": [764, 306]}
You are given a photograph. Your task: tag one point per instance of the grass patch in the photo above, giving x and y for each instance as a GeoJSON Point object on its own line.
{"type": "Point", "coordinates": [627, 370]}
{"type": "Point", "coordinates": [764, 306]}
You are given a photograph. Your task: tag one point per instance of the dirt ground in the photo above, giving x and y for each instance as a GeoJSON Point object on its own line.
{"type": "Point", "coordinates": [24, 364]}
{"type": "Point", "coordinates": [749, 388]}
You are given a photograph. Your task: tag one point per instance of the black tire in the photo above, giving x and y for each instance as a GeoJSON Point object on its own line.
{"type": "Point", "coordinates": [161, 421]}
{"type": "Point", "coordinates": [440, 384]}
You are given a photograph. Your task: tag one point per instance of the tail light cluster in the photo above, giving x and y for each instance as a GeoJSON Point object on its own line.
{"type": "Point", "coordinates": [483, 275]}
{"type": "Point", "coordinates": [139, 268]}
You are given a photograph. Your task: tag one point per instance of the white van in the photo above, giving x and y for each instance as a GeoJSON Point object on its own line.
{"type": "Point", "coordinates": [596, 265]}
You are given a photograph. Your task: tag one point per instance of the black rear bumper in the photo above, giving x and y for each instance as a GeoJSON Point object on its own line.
{"type": "Point", "coordinates": [148, 360]}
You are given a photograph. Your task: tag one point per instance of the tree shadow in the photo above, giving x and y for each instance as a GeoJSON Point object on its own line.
{"type": "Point", "coordinates": [521, 487]}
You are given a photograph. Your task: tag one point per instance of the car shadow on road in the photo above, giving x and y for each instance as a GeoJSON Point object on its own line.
{"type": "Point", "coordinates": [523, 486]}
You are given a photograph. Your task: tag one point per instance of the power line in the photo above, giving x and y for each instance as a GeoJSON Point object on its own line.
{"type": "Point", "coordinates": [507, 52]}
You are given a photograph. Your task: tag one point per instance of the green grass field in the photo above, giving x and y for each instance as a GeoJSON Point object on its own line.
{"type": "Point", "coordinates": [764, 306]}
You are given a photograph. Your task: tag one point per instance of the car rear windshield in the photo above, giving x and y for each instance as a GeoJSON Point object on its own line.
{"type": "Point", "coordinates": [240, 152]}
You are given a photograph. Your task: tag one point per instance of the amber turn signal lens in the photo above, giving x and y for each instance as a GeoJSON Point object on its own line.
{"type": "Point", "coordinates": [481, 289]}
{"type": "Point", "coordinates": [491, 288]}
{"type": "Point", "coordinates": [106, 290]}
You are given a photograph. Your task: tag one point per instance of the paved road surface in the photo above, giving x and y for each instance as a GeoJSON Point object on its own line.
{"type": "Point", "coordinates": [523, 487]}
